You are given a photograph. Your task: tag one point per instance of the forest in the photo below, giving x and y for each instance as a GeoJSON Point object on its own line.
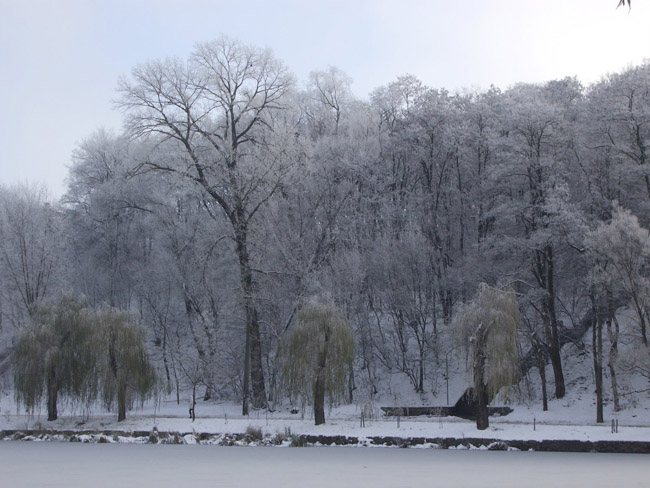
{"type": "Point", "coordinates": [236, 195]}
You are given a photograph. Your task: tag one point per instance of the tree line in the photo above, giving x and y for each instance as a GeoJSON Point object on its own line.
{"type": "Point", "coordinates": [235, 195]}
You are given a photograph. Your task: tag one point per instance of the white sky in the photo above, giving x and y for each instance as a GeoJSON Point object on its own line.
{"type": "Point", "coordinates": [60, 59]}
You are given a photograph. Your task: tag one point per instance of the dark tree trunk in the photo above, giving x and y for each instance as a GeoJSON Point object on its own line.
{"type": "Point", "coordinates": [480, 389]}
{"type": "Point", "coordinates": [247, 374]}
{"type": "Point", "coordinates": [319, 401]}
{"type": "Point", "coordinates": [613, 357]}
{"type": "Point", "coordinates": [319, 382]}
{"type": "Point", "coordinates": [52, 396]}
{"type": "Point", "coordinates": [541, 366]}
{"type": "Point", "coordinates": [482, 414]}
{"type": "Point", "coordinates": [257, 366]}
{"type": "Point", "coordinates": [421, 371]}
{"type": "Point", "coordinates": [253, 365]}
{"type": "Point", "coordinates": [640, 311]}
{"type": "Point", "coordinates": [121, 401]}
{"type": "Point", "coordinates": [554, 349]}
{"type": "Point", "coordinates": [597, 347]}
{"type": "Point", "coordinates": [193, 408]}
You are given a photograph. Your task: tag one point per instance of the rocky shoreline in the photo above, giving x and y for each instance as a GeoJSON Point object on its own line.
{"type": "Point", "coordinates": [288, 439]}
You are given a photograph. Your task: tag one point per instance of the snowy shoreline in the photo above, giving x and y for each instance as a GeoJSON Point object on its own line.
{"type": "Point", "coordinates": [257, 438]}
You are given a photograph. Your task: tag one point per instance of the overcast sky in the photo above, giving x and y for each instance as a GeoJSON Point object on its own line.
{"type": "Point", "coordinates": [60, 59]}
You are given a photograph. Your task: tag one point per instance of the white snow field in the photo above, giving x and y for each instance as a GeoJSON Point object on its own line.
{"type": "Point", "coordinates": [567, 419]}
{"type": "Point", "coordinates": [54, 464]}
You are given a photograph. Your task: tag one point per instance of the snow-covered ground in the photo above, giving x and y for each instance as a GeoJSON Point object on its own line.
{"type": "Point", "coordinates": [29, 464]}
{"type": "Point", "coordinates": [570, 418]}
{"type": "Point", "coordinates": [560, 422]}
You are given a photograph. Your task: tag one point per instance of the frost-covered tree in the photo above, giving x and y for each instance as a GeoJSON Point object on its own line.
{"type": "Point", "coordinates": [622, 251]}
{"type": "Point", "coordinates": [55, 356]}
{"type": "Point", "coordinates": [489, 325]}
{"type": "Point", "coordinates": [214, 116]}
{"type": "Point", "coordinates": [30, 231]}
{"type": "Point", "coordinates": [318, 353]}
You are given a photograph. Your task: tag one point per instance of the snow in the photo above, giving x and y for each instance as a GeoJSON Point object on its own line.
{"type": "Point", "coordinates": [559, 422]}
{"type": "Point", "coordinates": [114, 458]}
{"type": "Point", "coordinates": [569, 418]}
{"type": "Point", "coordinates": [27, 464]}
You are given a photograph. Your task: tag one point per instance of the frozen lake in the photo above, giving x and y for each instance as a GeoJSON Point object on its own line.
{"type": "Point", "coordinates": [57, 464]}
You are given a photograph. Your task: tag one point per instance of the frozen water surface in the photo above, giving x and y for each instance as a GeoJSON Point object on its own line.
{"type": "Point", "coordinates": [53, 464]}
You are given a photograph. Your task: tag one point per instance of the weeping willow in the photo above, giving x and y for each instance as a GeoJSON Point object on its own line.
{"type": "Point", "coordinates": [317, 356]}
{"type": "Point", "coordinates": [126, 372]}
{"type": "Point", "coordinates": [491, 322]}
{"type": "Point", "coordinates": [54, 357]}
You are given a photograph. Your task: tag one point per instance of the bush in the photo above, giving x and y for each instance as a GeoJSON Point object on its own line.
{"type": "Point", "coordinates": [254, 433]}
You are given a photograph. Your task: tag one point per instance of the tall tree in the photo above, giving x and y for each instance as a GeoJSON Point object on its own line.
{"type": "Point", "coordinates": [213, 116]}
{"type": "Point", "coordinates": [538, 141]}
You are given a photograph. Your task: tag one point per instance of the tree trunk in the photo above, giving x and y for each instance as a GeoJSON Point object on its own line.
{"type": "Point", "coordinates": [597, 348]}
{"type": "Point", "coordinates": [52, 396]}
{"type": "Point", "coordinates": [554, 346]}
{"type": "Point", "coordinates": [253, 365]}
{"type": "Point", "coordinates": [319, 401]}
{"type": "Point", "coordinates": [541, 366]}
{"type": "Point", "coordinates": [613, 357]}
{"type": "Point", "coordinates": [247, 374]}
{"type": "Point", "coordinates": [421, 370]}
{"type": "Point", "coordinates": [121, 401]}
{"type": "Point", "coordinates": [259, 399]}
{"type": "Point", "coordinates": [480, 390]}
{"type": "Point", "coordinates": [319, 382]}
{"type": "Point", "coordinates": [642, 320]}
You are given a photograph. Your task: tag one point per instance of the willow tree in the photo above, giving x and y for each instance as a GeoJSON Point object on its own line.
{"type": "Point", "coordinates": [54, 356]}
{"type": "Point", "coordinates": [213, 117]}
{"type": "Point", "coordinates": [488, 325]}
{"type": "Point", "coordinates": [317, 356]}
{"type": "Point", "coordinates": [126, 372]}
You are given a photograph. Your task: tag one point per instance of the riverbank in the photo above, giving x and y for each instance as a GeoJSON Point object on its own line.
{"type": "Point", "coordinates": [255, 436]}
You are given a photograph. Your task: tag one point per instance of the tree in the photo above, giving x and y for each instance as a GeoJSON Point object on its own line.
{"type": "Point", "coordinates": [29, 254]}
{"type": "Point", "coordinates": [488, 325]}
{"type": "Point", "coordinates": [318, 354]}
{"type": "Point", "coordinates": [55, 355]}
{"type": "Point", "coordinates": [538, 143]}
{"type": "Point", "coordinates": [106, 208]}
{"type": "Point", "coordinates": [123, 362]}
{"type": "Point", "coordinates": [330, 93]}
{"type": "Point", "coordinates": [621, 249]}
{"type": "Point", "coordinates": [213, 118]}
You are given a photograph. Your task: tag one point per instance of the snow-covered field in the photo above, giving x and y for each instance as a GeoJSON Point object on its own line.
{"type": "Point", "coordinates": [560, 422]}
{"type": "Point", "coordinates": [570, 418]}
{"type": "Point", "coordinates": [28, 464]}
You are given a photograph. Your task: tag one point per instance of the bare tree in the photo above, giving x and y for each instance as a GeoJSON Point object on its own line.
{"type": "Point", "coordinates": [215, 113]}
{"type": "Point", "coordinates": [29, 236]}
